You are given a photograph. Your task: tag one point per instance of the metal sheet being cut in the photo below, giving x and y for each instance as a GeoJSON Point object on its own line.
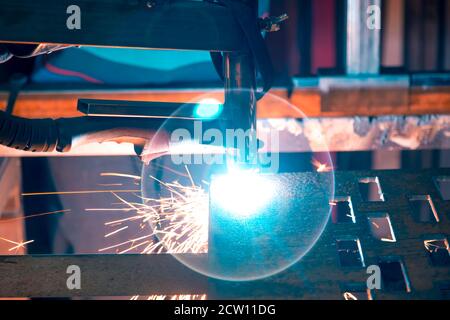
{"type": "Point", "coordinates": [262, 224]}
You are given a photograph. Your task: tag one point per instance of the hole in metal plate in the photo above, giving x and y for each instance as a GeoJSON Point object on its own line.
{"type": "Point", "coordinates": [443, 186]}
{"type": "Point", "coordinates": [381, 227]}
{"type": "Point", "coordinates": [423, 209]}
{"type": "Point", "coordinates": [342, 210]}
{"type": "Point", "coordinates": [370, 189]}
{"type": "Point", "coordinates": [393, 275]}
{"type": "Point", "coordinates": [439, 251]}
{"type": "Point", "coordinates": [350, 253]}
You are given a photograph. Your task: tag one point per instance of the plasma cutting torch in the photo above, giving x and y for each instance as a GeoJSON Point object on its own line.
{"type": "Point", "coordinates": [230, 30]}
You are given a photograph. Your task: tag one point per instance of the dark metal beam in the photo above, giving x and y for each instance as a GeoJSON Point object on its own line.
{"type": "Point", "coordinates": [101, 275]}
{"type": "Point", "coordinates": [183, 25]}
{"type": "Point", "coordinates": [137, 109]}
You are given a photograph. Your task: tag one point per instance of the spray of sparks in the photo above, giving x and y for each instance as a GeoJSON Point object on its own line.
{"type": "Point", "coordinates": [178, 223]}
{"type": "Point", "coordinates": [178, 220]}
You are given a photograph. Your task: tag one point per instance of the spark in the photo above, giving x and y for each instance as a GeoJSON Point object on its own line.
{"type": "Point", "coordinates": [376, 225]}
{"type": "Point", "coordinates": [109, 209]}
{"type": "Point", "coordinates": [114, 174]}
{"type": "Point", "coordinates": [77, 192]}
{"type": "Point", "coordinates": [36, 215]}
{"type": "Point", "coordinates": [116, 222]}
{"type": "Point", "coordinates": [166, 168]}
{"type": "Point", "coordinates": [20, 245]}
{"type": "Point", "coordinates": [321, 167]}
{"type": "Point", "coordinates": [178, 219]}
{"type": "Point", "coordinates": [124, 243]}
{"type": "Point", "coordinates": [17, 245]}
{"type": "Point", "coordinates": [115, 231]}
{"type": "Point", "coordinates": [134, 247]}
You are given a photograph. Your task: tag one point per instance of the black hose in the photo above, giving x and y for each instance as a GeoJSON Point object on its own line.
{"type": "Point", "coordinates": [49, 135]}
{"type": "Point", "coordinates": [36, 135]}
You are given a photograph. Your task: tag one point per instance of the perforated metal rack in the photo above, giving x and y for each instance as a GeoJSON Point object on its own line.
{"type": "Point", "coordinates": [416, 266]}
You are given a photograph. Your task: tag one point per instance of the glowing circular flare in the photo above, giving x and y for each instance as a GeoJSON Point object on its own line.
{"type": "Point", "coordinates": [242, 193]}
{"type": "Point", "coordinates": [221, 227]}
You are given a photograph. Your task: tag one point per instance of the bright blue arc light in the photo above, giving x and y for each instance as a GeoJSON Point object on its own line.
{"type": "Point", "coordinates": [242, 193]}
{"type": "Point", "coordinates": [208, 109]}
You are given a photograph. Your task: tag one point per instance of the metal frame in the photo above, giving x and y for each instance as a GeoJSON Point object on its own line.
{"type": "Point", "coordinates": [177, 25]}
{"type": "Point", "coordinates": [317, 276]}
{"type": "Point", "coordinates": [188, 25]}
